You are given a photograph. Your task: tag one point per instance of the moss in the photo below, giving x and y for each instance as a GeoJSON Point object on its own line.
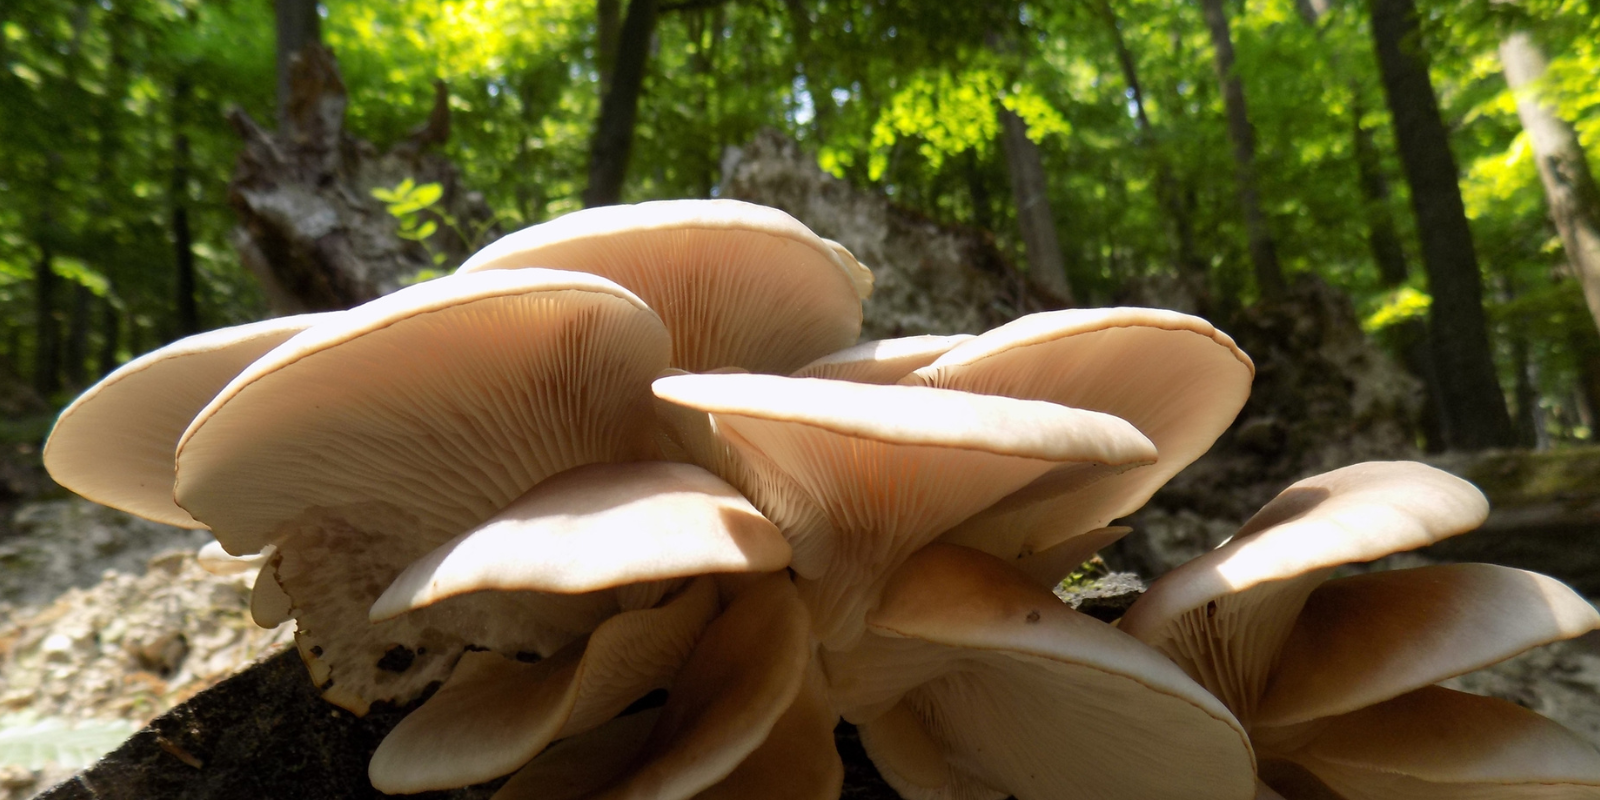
{"type": "Point", "coordinates": [1521, 477]}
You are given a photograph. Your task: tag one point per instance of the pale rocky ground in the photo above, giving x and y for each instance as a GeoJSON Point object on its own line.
{"type": "Point", "coordinates": [106, 621]}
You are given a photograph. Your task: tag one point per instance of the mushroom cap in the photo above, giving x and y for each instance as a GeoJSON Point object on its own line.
{"type": "Point", "coordinates": [1225, 615]}
{"type": "Point", "coordinates": [728, 699]}
{"type": "Point", "coordinates": [445, 400]}
{"type": "Point", "coordinates": [596, 527]}
{"type": "Point", "coordinates": [1366, 638]}
{"type": "Point", "coordinates": [736, 284]}
{"type": "Point", "coordinates": [1439, 744]}
{"type": "Point", "coordinates": [115, 444]}
{"type": "Point", "coordinates": [881, 361]}
{"type": "Point", "coordinates": [494, 714]}
{"type": "Point", "coordinates": [580, 765]}
{"type": "Point", "coordinates": [889, 466]}
{"type": "Point", "coordinates": [1176, 378]}
{"type": "Point", "coordinates": [1028, 697]}
{"type": "Point", "coordinates": [217, 561]}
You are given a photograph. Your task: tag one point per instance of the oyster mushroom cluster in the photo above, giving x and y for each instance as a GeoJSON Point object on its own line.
{"type": "Point", "coordinates": [627, 492]}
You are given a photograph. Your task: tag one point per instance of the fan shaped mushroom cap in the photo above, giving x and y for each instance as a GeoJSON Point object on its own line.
{"type": "Point", "coordinates": [363, 443]}
{"type": "Point", "coordinates": [891, 466]}
{"type": "Point", "coordinates": [596, 527]}
{"type": "Point", "coordinates": [1364, 639]}
{"type": "Point", "coordinates": [741, 680]}
{"type": "Point", "coordinates": [115, 443]}
{"type": "Point", "coordinates": [494, 714]}
{"type": "Point", "coordinates": [1179, 380]}
{"type": "Point", "coordinates": [1025, 696]}
{"type": "Point", "coordinates": [1439, 744]}
{"type": "Point", "coordinates": [736, 284]}
{"type": "Point", "coordinates": [882, 361]}
{"type": "Point", "coordinates": [1253, 586]}
{"type": "Point", "coordinates": [447, 400]}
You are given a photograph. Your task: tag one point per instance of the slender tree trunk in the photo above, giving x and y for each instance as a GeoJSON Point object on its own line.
{"type": "Point", "coordinates": [608, 26]}
{"type": "Point", "coordinates": [1034, 216]}
{"type": "Point", "coordinates": [613, 132]}
{"type": "Point", "coordinates": [1169, 193]}
{"type": "Point", "coordinates": [47, 331]}
{"type": "Point", "coordinates": [298, 25]}
{"type": "Point", "coordinates": [111, 330]}
{"type": "Point", "coordinates": [1263, 250]}
{"type": "Point", "coordinates": [1475, 416]}
{"type": "Point", "coordinates": [75, 351]}
{"type": "Point", "coordinates": [823, 109]}
{"type": "Point", "coordinates": [187, 310]}
{"type": "Point", "coordinates": [1569, 186]}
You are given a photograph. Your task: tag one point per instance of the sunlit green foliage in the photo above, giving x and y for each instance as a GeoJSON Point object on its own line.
{"type": "Point", "coordinates": [893, 95]}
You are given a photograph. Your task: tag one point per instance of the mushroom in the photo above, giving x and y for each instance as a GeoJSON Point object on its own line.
{"type": "Point", "coordinates": [890, 467]}
{"type": "Point", "coordinates": [974, 682]}
{"type": "Point", "coordinates": [1332, 677]}
{"type": "Point", "coordinates": [736, 284]}
{"type": "Point", "coordinates": [882, 361]}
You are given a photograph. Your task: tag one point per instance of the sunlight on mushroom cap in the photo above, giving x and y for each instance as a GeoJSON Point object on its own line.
{"type": "Point", "coordinates": [882, 361]}
{"type": "Point", "coordinates": [736, 284]}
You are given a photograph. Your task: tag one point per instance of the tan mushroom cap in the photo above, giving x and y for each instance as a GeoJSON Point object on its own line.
{"type": "Point", "coordinates": [270, 605]}
{"type": "Point", "coordinates": [115, 444]}
{"type": "Point", "coordinates": [736, 284]}
{"type": "Point", "coordinates": [742, 678]}
{"type": "Point", "coordinates": [1179, 380]}
{"type": "Point", "coordinates": [1364, 639]}
{"type": "Point", "coordinates": [217, 561]}
{"type": "Point", "coordinates": [596, 527]}
{"type": "Point", "coordinates": [1029, 697]}
{"type": "Point", "coordinates": [883, 361]}
{"type": "Point", "coordinates": [445, 400]}
{"type": "Point", "coordinates": [890, 466]}
{"type": "Point", "coordinates": [797, 760]}
{"type": "Point", "coordinates": [1225, 615]}
{"type": "Point", "coordinates": [495, 714]}
{"type": "Point", "coordinates": [1439, 744]}
{"type": "Point", "coordinates": [1049, 567]}
{"type": "Point", "coordinates": [576, 767]}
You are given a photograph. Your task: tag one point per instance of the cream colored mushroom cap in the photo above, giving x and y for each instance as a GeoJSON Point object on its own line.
{"type": "Point", "coordinates": [1350, 515]}
{"type": "Point", "coordinates": [445, 400]}
{"type": "Point", "coordinates": [115, 444]}
{"type": "Point", "coordinates": [737, 284]}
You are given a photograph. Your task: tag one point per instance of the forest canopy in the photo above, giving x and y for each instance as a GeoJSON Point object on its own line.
{"type": "Point", "coordinates": [1233, 147]}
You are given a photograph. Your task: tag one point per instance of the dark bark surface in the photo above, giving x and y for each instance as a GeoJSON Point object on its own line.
{"type": "Point", "coordinates": [1569, 186]}
{"type": "Point", "coordinates": [1242, 138]}
{"type": "Point", "coordinates": [1029, 190]}
{"type": "Point", "coordinates": [613, 131]}
{"type": "Point", "coordinates": [1475, 416]}
{"type": "Point", "coordinates": [309, 227]}
{"type": "Point", "coordinates": [298, 27]}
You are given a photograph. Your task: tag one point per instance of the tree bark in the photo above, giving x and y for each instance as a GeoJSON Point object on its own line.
{"type": "Point", "coordinates": [1475, 416]}
{"type": "Point", "coordinates": [185, 306]}
{"type": "Point", "coordinates": [1569, 186]}
{"type": "Point", "coordinates": [1034, 216]}
{"type": "Point", "coordinates": [298, 25]}
{"type": "Point", "coordinates": [613, 131]}
{"type": "Point", "coordinates": [47, 331]}
{"type": "Point", "coordinates": [608, 24]}
{"type": "Point", "coordinates": [1169, 192]}
{"type": "Point", "coordinates": [1242, 137]}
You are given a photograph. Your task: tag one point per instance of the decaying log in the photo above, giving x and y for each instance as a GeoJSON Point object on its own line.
{"type": "Point", "coordinates": [309, 226]}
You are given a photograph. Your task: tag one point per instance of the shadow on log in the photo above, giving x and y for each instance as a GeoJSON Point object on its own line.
{"type": "Point", "coordinates": [309, 227]}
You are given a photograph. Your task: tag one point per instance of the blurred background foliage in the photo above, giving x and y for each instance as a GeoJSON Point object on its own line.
{"type": "Point", "coordinates": [112, 119]}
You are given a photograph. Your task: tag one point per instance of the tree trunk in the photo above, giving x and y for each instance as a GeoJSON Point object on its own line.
{"type": "Point", "coordinates": [1263, 250]}
{"type": "Point", "coordinates": [111, 336]}
{"type": "Point", "coordinates": [613, 131]}
{"type": "Point", "coordinates": [1031, 193]}
{"type": "Point", "coordinates": [1475, 416]}
{"type": "Point", "coordinates": [1169, 193]}
{"type": "Point", "coordinates": [75, 352]}
{"type": "Point", "coordinates": [1569, 187]}
{"type": "Point", "coordinates": [188, 312]}
{"type": "Point", "coordinates": [823, 109]}
{"type": "Point", "coordinates": [47, 331]}
{"type": "Point", "coordinates": [298, 25]}
{"type": "Point", "coordinates": [608, 25]}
